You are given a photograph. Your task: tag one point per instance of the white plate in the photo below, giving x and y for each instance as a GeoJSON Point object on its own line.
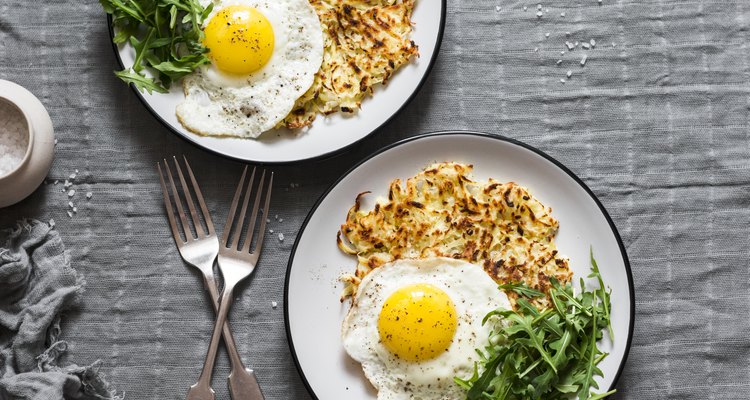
{"type": "Point", "coordinates": [326, 135]}
{"type": "Point", "coordinates": [313, 311]}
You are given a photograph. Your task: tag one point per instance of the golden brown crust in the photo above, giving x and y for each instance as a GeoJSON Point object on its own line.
{"type": "Point", "coordinates": [442, 212]}
{"type": "Point", "coordinates": [366, 41]}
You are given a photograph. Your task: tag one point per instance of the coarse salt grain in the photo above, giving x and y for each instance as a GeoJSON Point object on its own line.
{"type": "Point", "coordinates": [585, 45]}
{"type": "Point", "coordinates": [497, 8]}
{"type": "Point", "coordinates": [281, 237]}
{"type": "Point", "coordinates": [562, 80]}
{"type": "Point", "coordinates": [88, 195]}
{"type": "Point", "coordinates": [558, 62]}
{"type": "Point", "coordinates": [592, 42]}
{"type": "Point", "coordinates": [274, 304]}
{"type": "Point", "coordinates": [583, 60]}
{"type": "Point", "coordinates": [71, 192]}
{"type": "Point", "coordinates": [539, 14]}
{"type": "Point", "coordinates": [14, 137]}
{"type": "Point", "coordinates": [570, 73]}
{"type": "Point", "coordinates": [51, 223]}
{"type": "Point", "coordinates": [546, 35]}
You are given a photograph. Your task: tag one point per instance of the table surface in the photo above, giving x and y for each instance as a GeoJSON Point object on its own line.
{"type": "Point", "coordinates": [656, 123]}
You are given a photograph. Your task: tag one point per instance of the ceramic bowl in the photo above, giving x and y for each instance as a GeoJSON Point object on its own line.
{"type": "Point", "coordinates": [31, 171]}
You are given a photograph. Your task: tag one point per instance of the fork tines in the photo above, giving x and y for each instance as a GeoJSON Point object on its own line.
{"type": "Point", "coordinates": [175, 201]}
{"type": "Point", "coordinates": [234, 227]}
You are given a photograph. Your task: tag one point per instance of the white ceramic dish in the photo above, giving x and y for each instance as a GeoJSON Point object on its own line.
{"type": "Point", "coordinates": [31, 171]}
{"type": "Point", "coordinates": [312, 309]}
{"type": "Point", "coordinates": [327, 135]}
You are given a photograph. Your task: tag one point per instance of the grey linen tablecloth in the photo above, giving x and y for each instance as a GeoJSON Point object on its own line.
{"type": "Point", "coordinates": [656, 123]}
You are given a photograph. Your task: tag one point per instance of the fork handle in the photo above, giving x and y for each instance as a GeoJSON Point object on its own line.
{"type": "Point", "coordinates": [242, 382]}
{"type": "Point", "coordinates": [234, 356]}
{"type": "Point", "coordinates": [221, 318]}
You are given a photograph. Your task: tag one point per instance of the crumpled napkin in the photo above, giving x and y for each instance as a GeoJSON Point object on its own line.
{"type": "Point", "coordinates": [37, 283]}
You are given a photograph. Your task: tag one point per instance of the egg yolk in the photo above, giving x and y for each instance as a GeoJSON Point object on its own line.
{"type": "Point", "coordinates": [417, 322]}
{"type": "Point", "coordinates": [240, 39]}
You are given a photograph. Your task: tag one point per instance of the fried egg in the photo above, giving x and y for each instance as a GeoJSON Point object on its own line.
{"type": "Point", "coordinates": [264, 56]}
{"type": "Point", "coordinates": [414, 325]}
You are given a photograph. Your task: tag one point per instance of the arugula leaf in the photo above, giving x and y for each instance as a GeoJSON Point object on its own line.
{"type": "Point", "coordinates": [522, 289]}
{"type": "Point", "coordinates": [166, 36]}
{"type": "Point", "coordinates": [544, 354]}
{"type": "Point", "coordinates": [141, 82]}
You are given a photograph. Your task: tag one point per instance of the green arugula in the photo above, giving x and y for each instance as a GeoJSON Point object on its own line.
{"type": "Point", "coordinates": [545, 354]}
{"type": "Point", "coordinates": [521, 289]}
{"type": "Point", "coordinates": [166, 36]}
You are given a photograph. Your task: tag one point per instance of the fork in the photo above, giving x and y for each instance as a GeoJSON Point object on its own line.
{"type": "Point", "coordinates": [236, 263]}
{"type": "Point", "coordinates": [200, 251]}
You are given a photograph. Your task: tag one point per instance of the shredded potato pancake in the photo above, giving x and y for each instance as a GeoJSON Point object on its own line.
{"type": "Point", "coordinates": [442, 212]}
{"type": "Point", "coordinates": [366, 41]}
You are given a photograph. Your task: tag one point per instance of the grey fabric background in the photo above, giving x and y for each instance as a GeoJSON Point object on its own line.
{"type": "Point", "coordinates": [656, 123]}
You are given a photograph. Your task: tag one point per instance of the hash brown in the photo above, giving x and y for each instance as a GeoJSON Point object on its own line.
{"type": "Point", "coordinates": [366, 41]}
{"type": "Point", "coordinates": [442, 212]}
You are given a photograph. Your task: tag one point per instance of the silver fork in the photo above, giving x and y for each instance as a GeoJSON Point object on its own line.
{"type": "Point", "coordinates": [200, 251]}
{"type": "Point", "coordinates": [236, 263]}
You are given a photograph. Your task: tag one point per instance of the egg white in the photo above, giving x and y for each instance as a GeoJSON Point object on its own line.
{"type": "Point", "coordinates": [221, 104]}
{"type": "Point", "coordinates": [473, 293]}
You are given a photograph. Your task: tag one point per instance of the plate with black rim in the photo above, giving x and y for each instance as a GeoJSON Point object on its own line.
{"type": "Point", "coordinates": [328, 135]}
{"type": "Point", "coordinates": [312, 292]}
